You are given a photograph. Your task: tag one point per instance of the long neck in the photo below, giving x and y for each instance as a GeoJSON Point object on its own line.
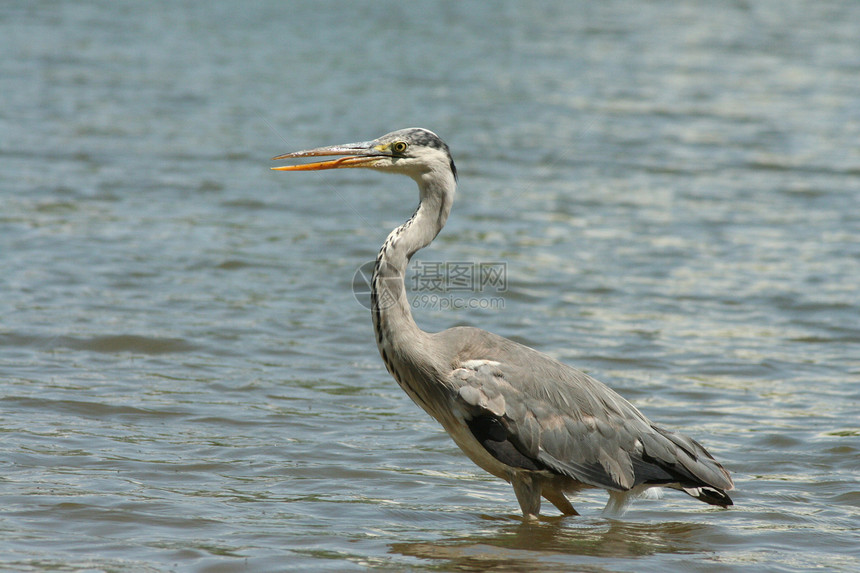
{"type": "Point", "coordinates": [404, 347]}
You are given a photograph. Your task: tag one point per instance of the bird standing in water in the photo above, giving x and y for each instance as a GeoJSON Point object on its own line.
{"type": "Point", "coordinates": [539, 424]}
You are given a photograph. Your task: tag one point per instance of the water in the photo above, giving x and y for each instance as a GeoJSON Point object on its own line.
{"type": "Point", "coordinates": [188, 383]}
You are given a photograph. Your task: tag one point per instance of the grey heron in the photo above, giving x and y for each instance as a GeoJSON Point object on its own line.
{"type": "Point", "coordinates": [535, 422]}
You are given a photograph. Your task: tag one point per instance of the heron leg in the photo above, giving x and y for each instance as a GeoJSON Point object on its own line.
{"type": "Point", "coordinates": [528, 494]}
{"type": "Point", "coordinates": [558, 499]}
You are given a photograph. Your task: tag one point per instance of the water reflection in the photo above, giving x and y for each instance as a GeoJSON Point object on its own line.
{"type": "Point", "coordinates": [553, 543]}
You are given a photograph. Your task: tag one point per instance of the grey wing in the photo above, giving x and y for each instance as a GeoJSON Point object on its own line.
{"type": "Point", "coordinates": [553, 417]}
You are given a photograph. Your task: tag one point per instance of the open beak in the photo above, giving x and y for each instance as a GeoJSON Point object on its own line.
{"type": "Point", "coordinates": [364, 154]}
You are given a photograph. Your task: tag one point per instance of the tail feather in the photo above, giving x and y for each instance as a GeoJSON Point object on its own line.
{"type": "Point", "coordinates": [710, 495]}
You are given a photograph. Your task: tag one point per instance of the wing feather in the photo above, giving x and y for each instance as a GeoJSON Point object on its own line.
{"type": "Point", "coordinates": [548, 415]}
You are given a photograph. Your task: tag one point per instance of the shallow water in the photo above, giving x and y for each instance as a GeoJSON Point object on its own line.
{"type": "Point", "coordinates": [189, 384]}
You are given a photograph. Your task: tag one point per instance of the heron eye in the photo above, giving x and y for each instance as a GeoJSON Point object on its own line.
{"type": "Point", "coordinates": [399, 147]}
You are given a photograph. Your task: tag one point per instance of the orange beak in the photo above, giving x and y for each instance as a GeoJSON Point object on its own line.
{"type": "Point", "coordinates": [363, 154]}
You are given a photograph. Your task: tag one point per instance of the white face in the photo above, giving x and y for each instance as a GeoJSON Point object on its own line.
{"type": "Point", "coordinates": [401, 156]}
{"type": "Point", "coordinates": [414, 152]}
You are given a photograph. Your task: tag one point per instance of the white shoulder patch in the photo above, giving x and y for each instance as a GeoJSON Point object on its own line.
{"type": "Point", "coordinates": [470, 368]}
{"type": "Point", "coordinates": [481, 385]}
{"type": "Point", "coordinates": [476, 364]}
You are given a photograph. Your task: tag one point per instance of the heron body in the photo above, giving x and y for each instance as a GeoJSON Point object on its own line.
{"type": "Point", "coordinates": [543, 426]}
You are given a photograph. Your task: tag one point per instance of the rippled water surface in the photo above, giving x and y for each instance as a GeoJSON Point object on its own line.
{"type": "Point", "coordinates": [187, 383]}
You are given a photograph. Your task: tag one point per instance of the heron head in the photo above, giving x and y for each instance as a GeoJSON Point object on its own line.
{"type": "Point", "coordinates": [414, 151]}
